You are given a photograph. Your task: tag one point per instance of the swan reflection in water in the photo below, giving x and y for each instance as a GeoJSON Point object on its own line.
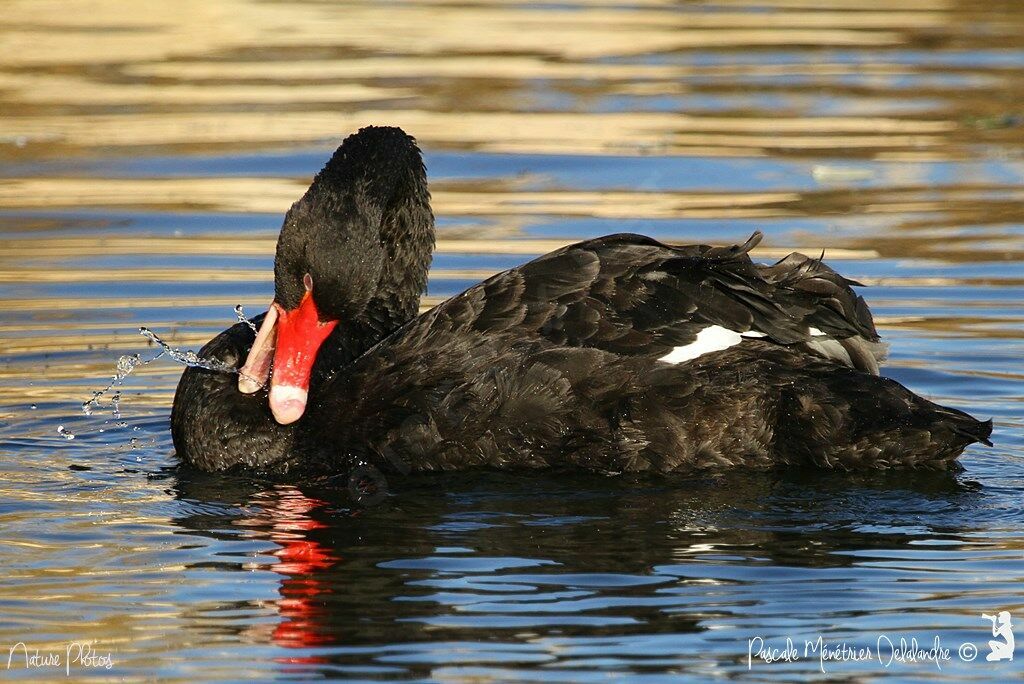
{"type": "Point", "coordinates": [463, 558]}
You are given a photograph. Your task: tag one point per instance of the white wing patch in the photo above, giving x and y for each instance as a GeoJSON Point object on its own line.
{"type": "Point", "coordinates": [711, 339]}
{"type": "Point", "coordinates": [716, 338]}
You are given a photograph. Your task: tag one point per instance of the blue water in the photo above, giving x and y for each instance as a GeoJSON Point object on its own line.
{"type": "Point", "coordinates": [488, 576]}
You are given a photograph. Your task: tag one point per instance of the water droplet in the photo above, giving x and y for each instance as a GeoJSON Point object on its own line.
{"type": "Point", "coordinates": [125, 365]}
{"type": "Point", "coordinates": [64, 433]}
{"type": "Point", "coordinates": [186, 357]}
{"type": "Point", "coordinates": [243, 319]}
{"type": "Point", "coordinates": [128, 363]}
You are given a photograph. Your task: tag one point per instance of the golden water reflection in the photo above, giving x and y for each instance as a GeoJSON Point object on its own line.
{"type": "Point", "coordinates": [149, 148]}
{"type": "Point", "coordinates": [921, 96]}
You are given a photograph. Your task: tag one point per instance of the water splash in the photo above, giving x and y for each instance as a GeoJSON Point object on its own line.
{"type": "Point", "coordinates": [128, 363]}
{"type": "Point", "coordinates": [242, 318]}
{"type": "Point", "coordinates": [125, 366]}
{"type": "Point", "coordinates": [63, 432]}
{"type": "Point", "coordinates": [185, 357]}
{"type": "Point", "coordinates": [189, 358]}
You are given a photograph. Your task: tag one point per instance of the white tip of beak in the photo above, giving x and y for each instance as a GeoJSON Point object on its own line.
{"type": "Point", "coordinates": [247, 385]}
{"type": "Point", "coordinates": [287, 403]}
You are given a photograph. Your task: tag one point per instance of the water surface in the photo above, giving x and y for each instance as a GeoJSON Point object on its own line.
{"type": "Point", "coordinates": [148, 152]}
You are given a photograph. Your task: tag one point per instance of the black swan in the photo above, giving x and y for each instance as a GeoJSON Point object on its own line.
{"type": "Point", "coordinates": [616, 354]}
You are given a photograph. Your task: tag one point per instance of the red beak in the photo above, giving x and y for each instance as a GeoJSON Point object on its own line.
{"type": "Point", "coordinates": [294, 338]}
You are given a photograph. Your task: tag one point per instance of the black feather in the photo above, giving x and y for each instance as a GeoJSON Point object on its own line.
{"type": "Point", "coordinates": [556, 362]}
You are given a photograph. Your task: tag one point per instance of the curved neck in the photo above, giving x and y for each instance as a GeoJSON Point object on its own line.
{"type": "Point", "coordinates": [407, 240]}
